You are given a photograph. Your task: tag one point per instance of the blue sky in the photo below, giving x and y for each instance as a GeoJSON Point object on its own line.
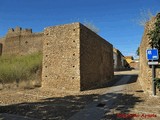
{"type": "Point", "coordinates": [116, 19]}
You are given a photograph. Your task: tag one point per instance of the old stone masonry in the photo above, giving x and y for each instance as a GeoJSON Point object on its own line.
{"type": "Point", "coordinates": [74, 57]}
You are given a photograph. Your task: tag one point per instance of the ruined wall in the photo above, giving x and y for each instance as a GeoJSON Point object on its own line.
{"type": "Point", "coordinates": [120, 62]}
{"type": "Point", "coordinates": [31, 43]}
{"type": "Point", "coordinates": [134, 65]}
{"type": "Point", "coordinates": [96, 59]}
{"type": "Point", "coordinates": [75, 58]}
{"type": "Point", "coordinates": [1, 45]}
{"type": "Point", "coordinates": [145, 74]}
{"type": "Point", "coordinates": [22, 41]}
{"type": "Point", "coordinates": [61, 53]}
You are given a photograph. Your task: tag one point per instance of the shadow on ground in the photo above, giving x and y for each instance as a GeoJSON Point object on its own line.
{"type": "Point", "coordinates": [62, 108]}
{"type": "Point", "coordinates": [116, 78]}
{"type": "Point", "coordinates": [124, 69]}
{"type": "Point", "coordinates": [57, 108]}
{"type": "Point", "coordinates": [121, 107]}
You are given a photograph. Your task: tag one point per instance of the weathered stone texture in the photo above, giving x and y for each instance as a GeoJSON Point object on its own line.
{"type": "Point", "coordinates": [120, 62]}
{"type": "Point", "coordinates": [61, 57]}
{"type": "Point", "coordinates": [75, 58]}
{"type": "Point", "coordinates": [96, 59]}
{"type": "Point", "coordinates": [145, 74]}
{"type": "Point", "coordinates": [19, 41]}
{"type": "Point", "coordinates": [1, 45]}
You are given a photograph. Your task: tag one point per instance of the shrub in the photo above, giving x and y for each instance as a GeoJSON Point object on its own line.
{"type": "Point", "coordinates": [157, 81]}
{"type": "Point", "coordinates": [17, 68]}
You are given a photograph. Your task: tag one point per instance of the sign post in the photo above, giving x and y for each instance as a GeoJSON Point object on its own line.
{"type": "Point", "coordinates": [153, 82]}
{"type": "Point", "coordinates": [152, 54]}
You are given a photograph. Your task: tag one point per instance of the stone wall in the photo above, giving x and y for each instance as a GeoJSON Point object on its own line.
{"type": "Point", "coordinates": [22, 41]}
{"type": "Point", "coordinates": [96, 59]}
{"type": "Point", "coordinates": [145, 74]}
{"type": "Point", "coordinates": [61, 53]}
{"type": "Point", "coordinates": [120, 62]}
{"type": "Point", "coordinates": [134, 65]}
{"type": "Point", "coordinates": [1, 45]}
{"type": "Point", "coordinates": [75, 58]}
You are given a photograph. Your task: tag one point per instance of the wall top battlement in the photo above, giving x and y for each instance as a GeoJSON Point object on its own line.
{"type": "Point", "coordinates": [18, 31]}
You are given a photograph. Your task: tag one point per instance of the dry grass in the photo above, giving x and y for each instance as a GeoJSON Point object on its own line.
{"type": "Point", "coordinates": [18, 68]}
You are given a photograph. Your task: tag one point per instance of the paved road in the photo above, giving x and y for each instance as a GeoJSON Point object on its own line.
{"type": "Point", "coordinates": [97, 109]}
{"type": "Point", "coordinates": [124, 100]}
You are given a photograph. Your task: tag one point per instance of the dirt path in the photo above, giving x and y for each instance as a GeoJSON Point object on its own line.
{"type": "Point", "coordinates": [46, 104]}
{"type": "Point", "coordinates": [133, 103]}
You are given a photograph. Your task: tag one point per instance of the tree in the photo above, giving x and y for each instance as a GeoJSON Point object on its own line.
{"type": "Point", "coordinates": [145, 16]}
{"type": "Point", "coordinates": [91, 26]}
{"type": "Point", "coordinates": [137, 52]}
{"type": "Point", "coordinates": [154, 35]}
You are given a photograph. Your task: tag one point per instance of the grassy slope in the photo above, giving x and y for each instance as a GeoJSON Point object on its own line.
{"type": "Point", "coordinates": [18, 68]}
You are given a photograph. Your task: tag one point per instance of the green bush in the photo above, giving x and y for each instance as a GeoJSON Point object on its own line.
{"type": "Point", "coordinates": [17, 68]}
{"type": "Point", "coordinates": [157, 81]}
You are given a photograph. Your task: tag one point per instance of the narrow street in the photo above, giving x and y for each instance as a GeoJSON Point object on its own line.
{"type": "Point", "coordinates": [121, 99]}
{"type": "Point", "coordinates": [124, 100]}
{"type": "Point", "coordinates": [80, 60]}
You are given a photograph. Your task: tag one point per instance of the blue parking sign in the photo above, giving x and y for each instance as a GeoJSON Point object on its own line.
{"type": "Point", "coordinates": [152, 54]}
